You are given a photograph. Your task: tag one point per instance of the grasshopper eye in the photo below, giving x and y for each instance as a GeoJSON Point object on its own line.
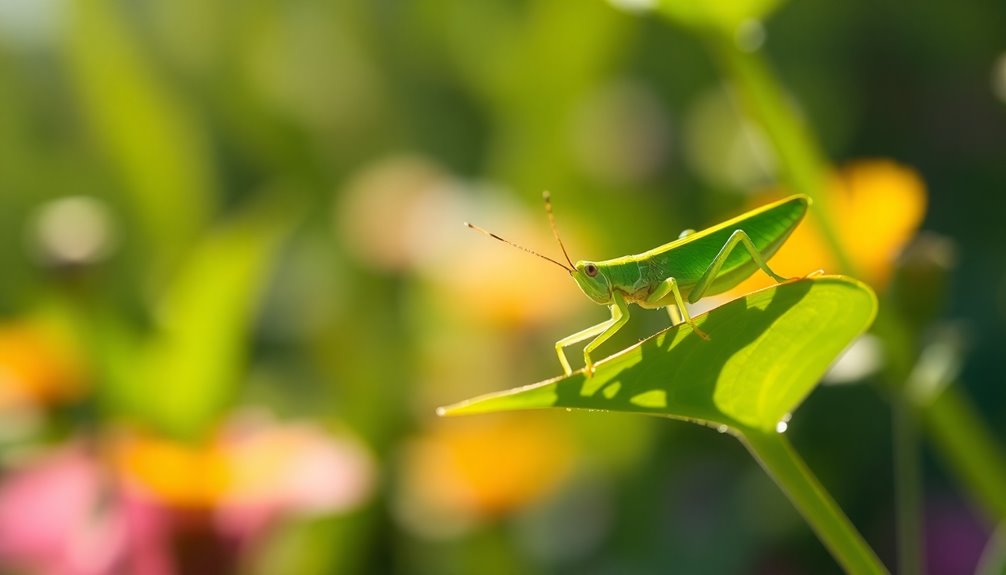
{"type": "Point", "coordinates": [591, 270]}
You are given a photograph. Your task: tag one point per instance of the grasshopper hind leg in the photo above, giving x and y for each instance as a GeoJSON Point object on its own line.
{"type": "Point", "coordinates": [738, 238]}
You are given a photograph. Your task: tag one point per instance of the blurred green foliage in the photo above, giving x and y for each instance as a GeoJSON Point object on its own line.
{"type": "Point", "coordinates": [278, 190]}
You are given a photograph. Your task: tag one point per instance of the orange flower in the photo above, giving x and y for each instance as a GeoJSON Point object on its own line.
{"type": "Point", "coordinates": [38, 364]}
{"type": "Point", "coordinates": [465, 470]}
{"type": "Point", "coordinates": [177, 474]}
{"type": "Point", "coordinates": [876, 206]}
{"type": "Point", "coordinates": [296, 467]}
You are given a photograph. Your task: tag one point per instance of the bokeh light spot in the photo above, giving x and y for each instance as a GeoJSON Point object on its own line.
{"type": "Point", "coordinates": [74, 230]}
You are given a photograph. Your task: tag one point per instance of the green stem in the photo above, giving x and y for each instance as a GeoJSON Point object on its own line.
{"type": "Point", "coordinates": [972, 451]}
{"type": "Point", "coordinates": [775, 454]}
{"type": "Point", "coordinates": [803, 166]}
{"type": "Point", "coordinates": [907, 487]}
{"type": "Point", "coordinates": [974, 454]}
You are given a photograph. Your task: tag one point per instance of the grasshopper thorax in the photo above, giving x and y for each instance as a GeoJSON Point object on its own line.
{"type": "Point", "coordinates": [593, 281]}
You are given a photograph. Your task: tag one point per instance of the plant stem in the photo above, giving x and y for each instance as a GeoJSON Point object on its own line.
{"type": "Point", "coordinates": [775, 454]}
{"type": "Point", "coordinates": [907, 487]}
{"type": "Point", "coordinates": [972, 451]}
{"type": "Point", "coordinates": [803, 165]}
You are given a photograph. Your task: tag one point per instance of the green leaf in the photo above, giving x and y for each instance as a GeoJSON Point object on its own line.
{"type": "Point", "coordinates": [767, 352]}
{"type": "Point", "coordinates": [147, 130]}
{"type": "Point", "coordinates": [187, 373]}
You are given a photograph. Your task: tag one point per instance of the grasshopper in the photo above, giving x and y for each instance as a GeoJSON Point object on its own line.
{"type": "Point", "coordinates": [695, 265]}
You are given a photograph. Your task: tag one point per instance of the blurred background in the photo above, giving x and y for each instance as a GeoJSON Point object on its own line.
{"type": "Point", "coordinates": [234, 283]}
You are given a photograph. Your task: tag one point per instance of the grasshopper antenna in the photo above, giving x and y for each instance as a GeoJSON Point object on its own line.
{"type": "Point", "coordinates": [518, 246]}
{"type": "Point", "coordinates": [555, 230]}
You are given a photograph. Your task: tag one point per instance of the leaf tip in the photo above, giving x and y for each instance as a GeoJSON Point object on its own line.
{"type": "Point", "coordinates": [454, 409]}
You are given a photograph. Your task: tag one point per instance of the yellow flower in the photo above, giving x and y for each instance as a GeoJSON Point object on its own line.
{"type": "Point", "coordinates": [876, 206]}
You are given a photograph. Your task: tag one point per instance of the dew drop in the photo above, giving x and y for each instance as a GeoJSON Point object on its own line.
{"type": "Point", "coordinates": [781, 427]}
{"type": "Point", "coordinates": [722, 429]}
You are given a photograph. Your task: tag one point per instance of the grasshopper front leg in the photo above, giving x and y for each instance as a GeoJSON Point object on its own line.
{"type": "Point", "coordinates": [602, 331]}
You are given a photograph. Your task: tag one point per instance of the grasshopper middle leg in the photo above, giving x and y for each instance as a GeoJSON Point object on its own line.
{"type": "Point", "coordinates": [670, 287]}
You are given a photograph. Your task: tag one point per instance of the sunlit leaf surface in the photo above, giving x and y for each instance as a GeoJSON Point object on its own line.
{"type": "Point", "coordinates": [768, 350]}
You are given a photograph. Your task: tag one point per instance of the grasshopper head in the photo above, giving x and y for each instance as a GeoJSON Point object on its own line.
{"type": "Point", "coordinates": [593, 281]}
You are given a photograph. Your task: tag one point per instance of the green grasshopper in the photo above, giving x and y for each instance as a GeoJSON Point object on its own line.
{"type": "Point", "coordinates": [697, 264]}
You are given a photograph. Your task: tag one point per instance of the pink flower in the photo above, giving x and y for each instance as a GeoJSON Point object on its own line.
{"type": "Point", "coordinates": [152, 506]}
{"type": "Point", "coordinates": [54, 519]}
